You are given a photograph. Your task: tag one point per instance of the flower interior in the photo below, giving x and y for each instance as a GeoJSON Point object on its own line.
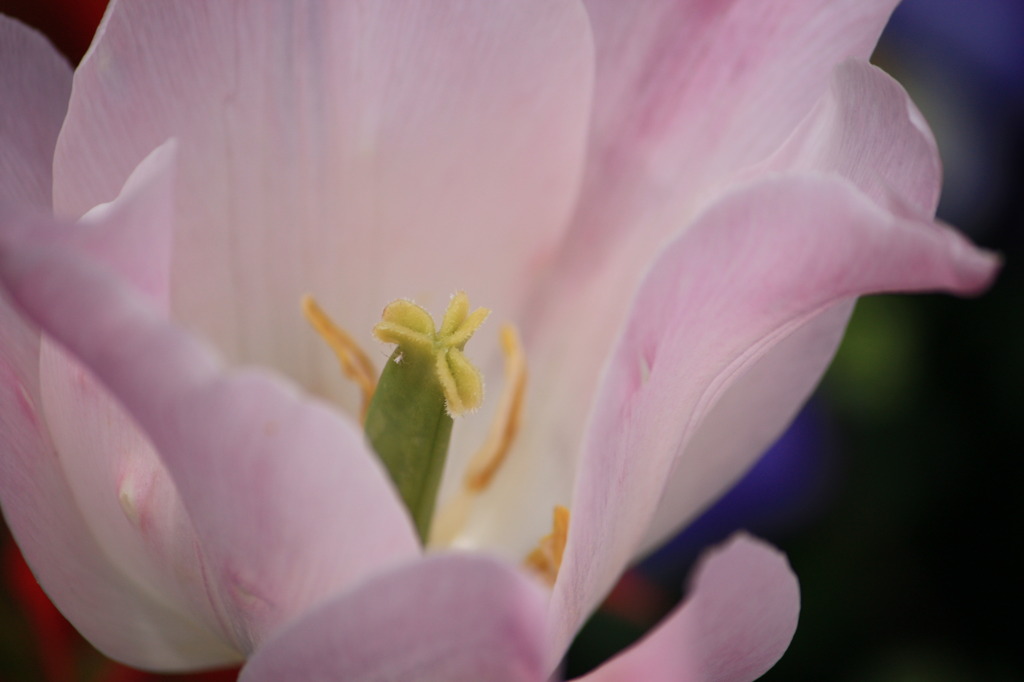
{"type": "Point", "coordinates": [408, 413]}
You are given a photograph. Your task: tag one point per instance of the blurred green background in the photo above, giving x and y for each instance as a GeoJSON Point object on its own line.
{"type": "Point", "coordinates": [898, 494]}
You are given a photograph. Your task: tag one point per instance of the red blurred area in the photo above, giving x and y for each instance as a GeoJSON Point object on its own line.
{"type": "Point", "coordinates": [70, 24]}
{"type": "Point", "coordinates": [59, 653]}
{"type": "Point", "coordinates": [53, 636]}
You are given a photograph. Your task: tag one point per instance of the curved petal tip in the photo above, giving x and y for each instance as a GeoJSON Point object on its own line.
{"type": "Point", "coordinates": [737, 621]}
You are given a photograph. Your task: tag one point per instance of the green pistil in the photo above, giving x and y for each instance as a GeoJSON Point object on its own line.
{"type": "Point", "coordinates": [426, 381]}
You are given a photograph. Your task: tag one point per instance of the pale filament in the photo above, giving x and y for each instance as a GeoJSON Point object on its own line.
{"type": "Point", "coordinates": [480, 471]}
{"type": "Point", "coordinates": [355, 363]}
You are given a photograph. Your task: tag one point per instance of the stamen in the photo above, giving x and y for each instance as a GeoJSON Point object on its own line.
{"type": "Point", "coordinates": [489, 458]}
{"type": "Point", "coordinates": [546, 559]}
{"type": "Point", "coordinates": [480, 471]}
{"type": "Point", "coordinates": [355, 363]}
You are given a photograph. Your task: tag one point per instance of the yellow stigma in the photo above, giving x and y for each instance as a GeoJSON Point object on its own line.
{"type": "Point", "coordinates": [410, 327]}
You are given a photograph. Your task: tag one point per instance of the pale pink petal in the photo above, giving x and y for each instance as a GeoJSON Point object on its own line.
{"type": "Point", "coordinates": [39, 506]}
{"type": "Point", "coordinates": [121, 488]}
{"type": "Point", "coordinates": [120, 617]}
{"type": "Point", "coordinates": [736, 622]}
{"type": "Point", "coordinates": [687, 93]}
{"type": "Point", "coordinates": [782, 372]}
{"type": "Point", "coordinates": [133, 235]}
{"type": "Point", "coordinates": [127, 614]}
{"type": "Point", "coordinates": [83, 546]}
{"type": "Point", "coordinates": [35, 81]}
{"type": "Point", "coordinates": [688, 96]}
{"type": "Point", "coordinates": [453, 618]}
{"type": "Point", "coordinates": [358, 151]}
{"type": "Point", "coordinates": [258, 466]}
{"type": "Point", "coordinates": [866, 129]}
{"type": "Point", "coordinates": [737, 295]}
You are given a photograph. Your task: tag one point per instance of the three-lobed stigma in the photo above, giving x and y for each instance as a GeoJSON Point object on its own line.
{"type": "Point", "coordinates": [412, 329]}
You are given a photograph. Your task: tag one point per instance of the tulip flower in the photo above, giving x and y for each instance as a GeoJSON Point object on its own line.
{"type": "Point", "coordinates": [668, 207]}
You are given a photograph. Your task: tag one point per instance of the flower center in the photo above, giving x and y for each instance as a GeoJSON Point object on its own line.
{"type": "Point", "coordinates": [407, 413]}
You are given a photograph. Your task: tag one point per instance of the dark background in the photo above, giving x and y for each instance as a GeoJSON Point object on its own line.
{"type": "Point", "coordinates": [899, 492]}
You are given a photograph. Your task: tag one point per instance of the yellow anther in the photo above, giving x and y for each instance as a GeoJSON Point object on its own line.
{"type": "Point", "coordinates": [480, 471]}
{"type": "Point", "coordinates": [546, 559]}
{"type": "Point", "coordinates": [355, 363]}
{"type": "Point", "coordinates": [411, 327]}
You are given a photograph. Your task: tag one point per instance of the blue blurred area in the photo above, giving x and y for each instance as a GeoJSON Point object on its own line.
{"type": "Point", "coordinates": [982, 40]}
{"type": "Point", "coordinates": [789, 485]}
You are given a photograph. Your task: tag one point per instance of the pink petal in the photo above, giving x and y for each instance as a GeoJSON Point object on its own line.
{"type": "Point", "coordinates": [120, 486]}
{"type": "Point", "coordinates": [782, 372]}
{"type": "Point", "coordinates": [257, 465]}
{"type": "Point", "coordinates": [35, 81]}
{"type": "Point", "coordinates": [687, 93]}
{"type": "Point", "coordinates": [725, 340]}
{"type": "Point", "coordinates": [39, 507]}
{"type": "Point", "coordinates": [358, 151]}
{"type": "Point", "coordinates": [688, 96]}
{"type": "Point", "coordinates": [737, 621]}
{"type": "Point", "coordinates": [448, 618]}
{"type": "Point", "coordinates": [121, 610]}
{"type": "Point", "coordinates": [118, 615]}
{"type": "Point", "coordinates": [866, 129]}
{"type": "Point", "coordinates": [133, 234]}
